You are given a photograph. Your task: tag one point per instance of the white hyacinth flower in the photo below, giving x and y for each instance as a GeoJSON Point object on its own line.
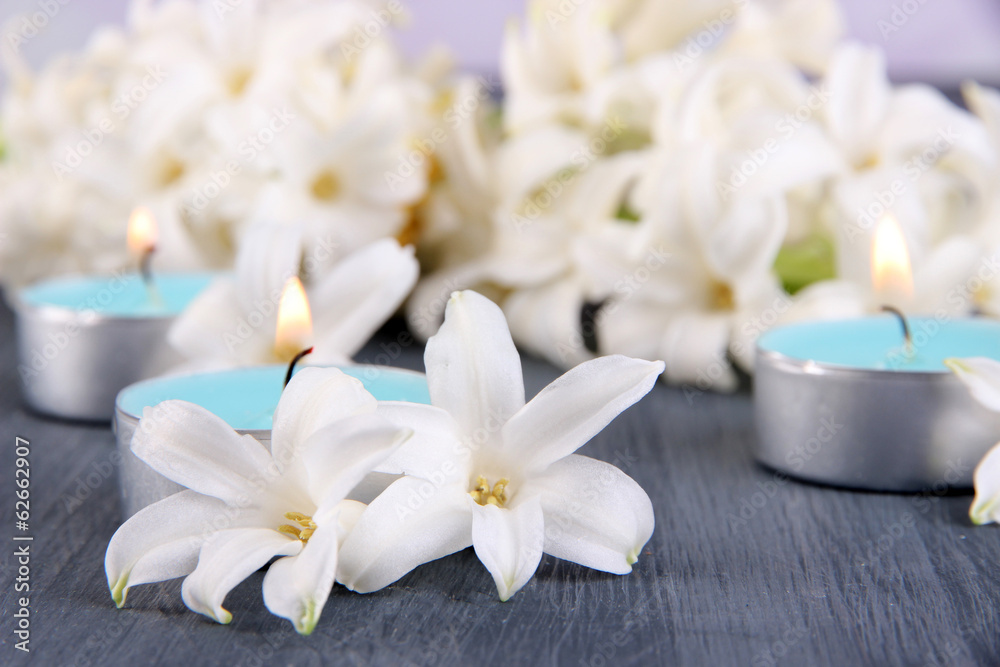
{"type": "Point", "coordinates": [233, 322]}
{"type": "Point", "coordinates": [489, 471]}
{"type": "Point", "coordinates": [245, 505]}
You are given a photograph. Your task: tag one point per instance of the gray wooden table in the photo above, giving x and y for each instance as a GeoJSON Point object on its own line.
{"type": "Point", "coordinates": [745, 568]}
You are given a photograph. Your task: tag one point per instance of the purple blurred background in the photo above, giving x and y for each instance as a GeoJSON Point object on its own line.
{"type": "Point", "coordinates": [942, 42]}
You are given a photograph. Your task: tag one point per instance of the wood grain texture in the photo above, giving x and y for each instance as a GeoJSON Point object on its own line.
{"type": "Point", "coordinates": [745, 568]}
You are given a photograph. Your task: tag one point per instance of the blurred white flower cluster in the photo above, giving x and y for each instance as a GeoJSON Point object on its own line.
{"type": "Point", "coordinates": [665, 179]}
{"type": "Point", "coordinates": [674, 177]}
{"type": "Point", "coordinates": [216, 116]}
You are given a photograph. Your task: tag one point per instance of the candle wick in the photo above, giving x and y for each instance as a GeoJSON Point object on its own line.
{"type": "Point", "coordinates": [146, 270]}
{"type": "Point", "coordinates": [907, 338]}
{"type": "Point", "coordinates": [291, 366]}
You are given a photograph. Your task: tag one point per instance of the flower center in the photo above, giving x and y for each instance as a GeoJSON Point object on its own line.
{"type": "Point", "coordinates": [237, 80]}
{"type": "Point", "coordinates": [868, 162]}
{"type": "Point", "coordinates": [306, 526]}
{"type": "Point", "coordinates": [721, 297]}
{"type": "Point", "coordinates": [484, 495]}
{"type": "Point", "coordinates": [982, 295]}
{"type": "Point", "coordinates": [170, 172]}
{"type": "Point", "coordinates": [325, 186]}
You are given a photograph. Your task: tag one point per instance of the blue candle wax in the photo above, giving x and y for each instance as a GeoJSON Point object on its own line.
{"type": "Point", "coordinates": [245, 398]}
{"type": "Point", "coordinates": [876, 343]}
{"type": "Point", "coordinates": [120, 296]}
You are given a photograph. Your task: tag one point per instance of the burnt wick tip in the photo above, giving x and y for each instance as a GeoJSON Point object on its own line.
{"type": "Point", "coordinates": [291, 366]}
{"type": "Point", "coordinates": [903, 323]}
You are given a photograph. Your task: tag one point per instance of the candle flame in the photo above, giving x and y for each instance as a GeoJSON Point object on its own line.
{"type": "Point", "coordinates": [142, 231]}
{"type": "Point", "coordinates": [294, 332]}
{"type": "Point", "coordinates": [892, 275]}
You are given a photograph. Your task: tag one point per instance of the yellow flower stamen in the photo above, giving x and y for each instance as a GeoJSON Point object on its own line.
{"type": "Point", "coordinates": [721, 297]}
{"type": "Point", "coordinates": [484, 495]}
{"type": "Point", "coordinates": [326, 186]}
{"type": "Point", "coordinates": [290, 530]}
{"type": "Point", "coordinates": [305, 529]}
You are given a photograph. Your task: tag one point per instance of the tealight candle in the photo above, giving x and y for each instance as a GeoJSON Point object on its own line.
{"type": "Point", "coordinates": [244, 397]}
{"type": "Point", "coordinates": [81, 339]}
{"type": "Point", "coordinates": [868, 403]}
{"type": "Point", "coordinates": [842, 403]}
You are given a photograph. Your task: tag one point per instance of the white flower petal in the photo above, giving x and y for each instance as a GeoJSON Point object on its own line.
{"type": "Point", "coordinates": [226, 559]}
{"type": "Point", "coordinates": [859, 95]}
{"type": "Point", "coordinates": [411, 523]}
{"type": "Point", "coordinates": [160, 542]}
{"type": "Point", "coordinates": [473, 368]}
{"type": "Point", "coordinates": [313, 400]}
{"type": "Point", "coordinates": [431, 451]}
{"type": "Point", "coordinates": [953, 262]}
{"type": "Point", "coordinates": [827, 299]}
{"type": "Point", "coordinates": [694, 348]}
{"type": "Point", "coordinates": [985, 103]}
{"type": "Point", "coordinates": [804, 33]}
{"type": "Point", "coordinates": [528, 251]}
{"type": "Point", "coordinates": [595, 514]}
{"type": "Point", "coordinates": [425, 307]}
{"type": "Point", "coordinates": [339, 456]}
{"type": "Point", "coordinates": [371, 487]}
{"type": "Point", "coordinates": [269, 255]}
{"type": "Point", "coordinates": [348, 513]}
{"type": "Point", "coordinates": [986, 506]}
{"type": "Point", "coordinates": [747, 239]}
{"type": "Point", "coordinates": [921, 115]}
{"type": "Point", "coordinates": [527, 160]}
{"type": "Point", "coordinates": [981, 376]}
{"type": "Point", "coordinates": [509, 543]}
{"type": "Point", "coordinates": [546, 321]}
{"type": "Point", "coordinates": [189, 445]}
{"type": "Point", "coordinates": [362, 291]}
{"type": "Point", "coordinates": [297, 587]}
{"type": "Point", "coordinates": [576, 407]}
{"type": "Point", "coordinates": [632, 327]}
{"type": "Point", "coordinates": [199, 331]}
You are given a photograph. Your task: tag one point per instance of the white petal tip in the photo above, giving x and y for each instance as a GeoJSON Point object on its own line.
{"type": "Point", "coordinates": [310, 617]}
{"type": "Point", "coordinates": [508, 590]}
{"type": "Point", "coordinates": [653, 368]}
{"type": "Point", "coordinates": [956, 365]}
{"type": "Point", "coordinates": [983, 512]}
{"type": "Point", "coordinates": [119, 591]}
{"type": "Point", "coordinates": [219, 615]}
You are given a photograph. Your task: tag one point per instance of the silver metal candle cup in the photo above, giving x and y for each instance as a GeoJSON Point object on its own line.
{"type": "Point", "coordinates": [868, 429]}
{"type": "Point", "coordinates": [73, 363]}
{"type": "Point", "coordinates": [141, 486]}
